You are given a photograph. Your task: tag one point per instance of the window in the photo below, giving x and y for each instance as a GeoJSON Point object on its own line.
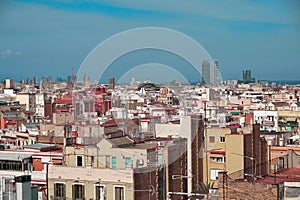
{"type": "Point", "coordinates": [92, 159]}
{"type": "Point", "coordinates": [79, 161]}
{"type": "Point", "coordinates": [119, 193]}
{"type": "Point", "coordinates": [222, 139]}
{"type": "Point", "coordinates": [59, 191]}
{"type": "Point", "coordinates": [100, 192]}
{"type": "Point", "coordinates": [280, 162]}
{"type": "Point", "coordinates": [160, 159]}
{"type": "Point", "coordinates": [78, 192]}
{"type": "Point", "coordinates": [114, 162]}
{"type": "Point", "coordinates": [127, 162]}
{"type": "Point", "coordinates": [211, 139]}
{"type": "Point", "coordinates": [214, 174]}
{"type": "Point", "coordinates": [218, 159]}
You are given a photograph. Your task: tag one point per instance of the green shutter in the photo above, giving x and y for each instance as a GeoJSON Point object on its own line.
{"type": "Point", "coordinates": [127, 162]}
{"type": "Point", "coordinates": [114, 162]}
{"type": "Point", "coordinates": [160, 159]}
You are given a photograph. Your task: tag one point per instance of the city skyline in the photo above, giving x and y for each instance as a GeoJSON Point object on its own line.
{"type": "Point", "coordinates": [52, 37]}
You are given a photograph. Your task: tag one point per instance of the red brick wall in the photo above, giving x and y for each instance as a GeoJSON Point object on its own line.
{"type": "Point", "coordinates": [48, 109]}
{"type": "Point", "coordinates": [249, 117]}
{"type": "Point", "coordinates": [197, 161]}
{"type": "Point", "coordinates": [143, 178]}
{"type": "Point", "coordinates": [256, 148]}
{"type": "Point", "coordinates": [37, 164]}
{"type": "Point", "coordinates": [177, 165]}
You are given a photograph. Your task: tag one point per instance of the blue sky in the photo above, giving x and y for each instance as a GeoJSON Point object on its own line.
{"type": "Point", "coordinates": [50, 37]}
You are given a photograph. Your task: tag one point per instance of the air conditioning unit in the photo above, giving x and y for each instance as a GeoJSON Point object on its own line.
{"type": "Point", "coordinates": [161, 144]}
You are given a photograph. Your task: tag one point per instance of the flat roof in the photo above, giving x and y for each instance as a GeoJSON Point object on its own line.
{"type": "Point", "coordinates": [14, 156]}
{"type": "Point", "coordinates": [39, 146]}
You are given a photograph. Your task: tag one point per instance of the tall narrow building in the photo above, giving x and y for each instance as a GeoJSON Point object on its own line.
{"type": "Point", "coordinates": [72, 78]}
{"type": "Point", "coordinates": [211, 72]}
{"type": "Point", "coordinates": [216, 75]}
{"type": "Point", "coordinates": [206, 72]}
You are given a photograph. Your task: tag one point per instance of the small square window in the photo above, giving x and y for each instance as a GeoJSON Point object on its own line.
{"type": "Point", "coordinates": [211, 139]}
{"type": "Point", "coordinates": [222, 139]}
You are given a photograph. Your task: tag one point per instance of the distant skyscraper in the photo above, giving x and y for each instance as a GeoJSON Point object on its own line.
{"type": "Point", "coordinates": [247, 77]}
{"type": "Point", "coordinates": [34, 80]}
{"type": "Point", "coordinates": [72, 78]}
{"type": "Point", "coordinates": [215, 72]}
{"type": "Point", "coordinates": [206, 72]}
{"type": "Point", "coordinates": [86, 81]}
{"type": "Point", "coordinates": [9, 84]}
{"type": "Point", "coordinates": [211, 72]}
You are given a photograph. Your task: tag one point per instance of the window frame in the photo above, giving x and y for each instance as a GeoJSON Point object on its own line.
{"type": "Point", "coordinates": [64, 192]}
{"type": "Point", "coordinates": [95, 189]}
{"type": "Point", "coordinates": [211, 139]}
{"type": "Point", "coordinates": [114, 192]}
{"type": "Point", "coordinates": [73, 193]}
{"type": "Point", "coordinates": [128, 164]}
{"type": "Point", "coordinates": [214, 174]}
{"type": "Point", "coordinates": [221, 139]}
{"type": "Point", "coordinates": [82, 160]}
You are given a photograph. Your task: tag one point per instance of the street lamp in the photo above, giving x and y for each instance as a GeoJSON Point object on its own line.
{"type": "Point", "coordinates": [180, 177]}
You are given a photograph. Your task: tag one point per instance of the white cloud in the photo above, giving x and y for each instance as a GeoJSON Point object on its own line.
{"type": "Point", "coordinates": [9, 52]}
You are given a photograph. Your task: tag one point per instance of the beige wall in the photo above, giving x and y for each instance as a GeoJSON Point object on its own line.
{"type": "Point", "coordinates": [234, 146]}
{"type": "Point", "coordinates": [63, 118]}
{"type": "Point", "coordinates": [103, 154]}
{"type": "Point", "coordinates": [90, 177]}
{"type": "Point", "coordinates": [23, 99]}
{"type": "Point", "coordinates": [217, 145]}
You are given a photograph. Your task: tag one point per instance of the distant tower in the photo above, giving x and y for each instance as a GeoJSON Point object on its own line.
{"type": "Point", "coordinates": [215, 72]}
{"type": "Point", "coordinates": [34, 80]}
{"type": "Point", "coordinates": [86, 81]}
{"type": "Point", "coordinates": [112, 83]}
{"type": "Point", "coordinates": [9, 84]}
{"type": "Point", "coordinates": [211, 72]}
{"type": "Point", "coordinates": [72, 78]}
{"type": "Point", "coordinates": [247, 77]}
{"type": "Point", "coordinates": [206, 72]}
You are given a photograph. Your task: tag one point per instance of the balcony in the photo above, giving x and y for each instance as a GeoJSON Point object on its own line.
{"type": "Point", "coordinates": [288, 123]}
{"type": "Point", "coordinates": [268, 123]}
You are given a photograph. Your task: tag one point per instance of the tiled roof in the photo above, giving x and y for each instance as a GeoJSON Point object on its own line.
{"type": "Point", "coordinates": [121, 141]}
{"type": "Point", "coordinates": [286, 175]}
